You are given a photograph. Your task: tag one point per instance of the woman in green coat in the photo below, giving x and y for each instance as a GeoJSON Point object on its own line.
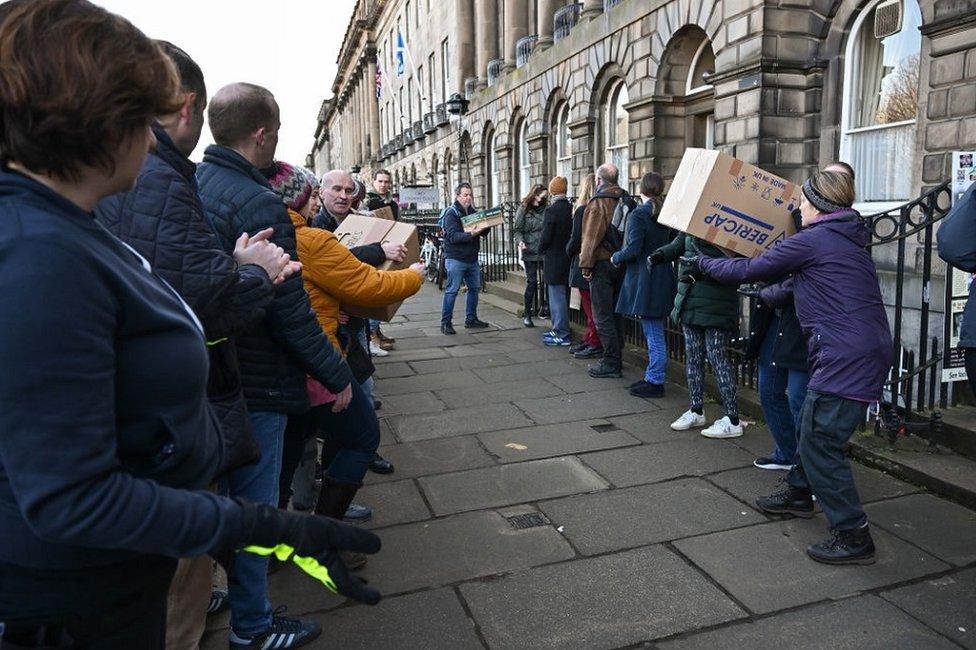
{"type": "Point", "coordinates": [528, 233]}
{"type": "Point", "coordinates": [708, 314]}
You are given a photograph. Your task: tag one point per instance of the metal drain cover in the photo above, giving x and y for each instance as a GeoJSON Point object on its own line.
{"type": "Point", "coordinates": [529, 520]}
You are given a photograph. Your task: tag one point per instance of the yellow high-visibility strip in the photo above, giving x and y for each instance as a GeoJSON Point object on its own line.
{"type": "Point", "coordinates": [309, 565]}
{"type": "Point", "coordinates": [210, 344]}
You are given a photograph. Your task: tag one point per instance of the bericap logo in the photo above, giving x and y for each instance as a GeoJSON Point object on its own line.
{"type": "Point", "coordinates": [738, 224]}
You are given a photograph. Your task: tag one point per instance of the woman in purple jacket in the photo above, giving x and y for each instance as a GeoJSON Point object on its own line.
{"type": "Point", "coordinates": [838, 302]}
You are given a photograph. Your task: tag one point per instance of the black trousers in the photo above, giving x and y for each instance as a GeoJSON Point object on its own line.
{"type": "Point", "coordinates": [532, 271]}
{"type": "Point", "coordinates": [971, 369]}
{"type": "Point", "coordinates": [604, 290]}
{"type": "Point", "coordinates": [94, 608]}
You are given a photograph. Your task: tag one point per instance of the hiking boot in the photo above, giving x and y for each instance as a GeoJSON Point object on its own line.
{"type": "Point", "coordinates": [375, 340]}
{"type": "Point", "coordinates": [788, 501]}
{"type": "Point", "coordinates": [723, 428]}
{"type": "Point", "coordinates": [689, 420]}
{"type": "Point", "coordinates": [475, 324]}
{"type": "Point", "coordinates": [283, 633]}
{"type": "Point", "coordinates": [380, 465]}
{"type": "Point", "coordinates": [447, 328]}
{"type": "Point", "coordinates": [648, 390]}
{"type": "Point", "coordinates": [845, 547]}
{"type": "Point", "coordinates": [604, 371]}
{"type": "Point", "coordinates": [588, 352]}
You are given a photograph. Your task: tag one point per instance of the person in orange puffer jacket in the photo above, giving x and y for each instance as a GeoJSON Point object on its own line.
{"type": "Point", "coordinates": [333, 276]}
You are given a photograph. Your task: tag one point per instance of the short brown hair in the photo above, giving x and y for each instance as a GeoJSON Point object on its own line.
{"type": "Point", "coordinates": [75, 83]}
{"type": "Point", "coordinates": [382, 172]}
{"type": "Point", "coordinates": [239, 110]}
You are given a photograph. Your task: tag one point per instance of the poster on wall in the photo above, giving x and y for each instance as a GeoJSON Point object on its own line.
{"type": "Point", "coordinates": [953, 365]}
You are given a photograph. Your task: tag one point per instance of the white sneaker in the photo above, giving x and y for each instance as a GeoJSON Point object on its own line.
{"type": "Point", "coordinates": [723, 429]}
{"type": "Point", "coordinates": [689, 420]}
{"type": "Point", "coordinates": [377, 351]}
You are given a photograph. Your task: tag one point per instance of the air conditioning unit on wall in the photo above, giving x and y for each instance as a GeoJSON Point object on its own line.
{"type": "Point", "coordinates": [887, 18]}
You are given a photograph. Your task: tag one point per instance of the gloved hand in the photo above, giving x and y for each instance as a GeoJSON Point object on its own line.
{"type": "Point", "coordinates": [313, 543]}
{"type": "Point", "coordinates": [690, 270]}
{"type": "Point", "coordinates": [655, 258]}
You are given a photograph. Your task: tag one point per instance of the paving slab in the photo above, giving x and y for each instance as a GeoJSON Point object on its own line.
{"type": "Point", "coordinates": [462, 363]}
{"type": "Point", "coordinates": [579, 381]}
{"type": "Point", "coordinates": [387, 434]}
{"type": "Point", "coordinates": [583, 406]}
{"type": "Point", "coordinates": [392, 370]}
{"type": "Point", "coordinates": [502, 485]}
{"type": "Point", "coordinates": [947, 604]}
{"type": "Point", "coordinates": [654, 426]}
{"type": "Point", "coordinates": [456, 422]}
{"type": "Point", "coordinates": [604, 602]}
{"type": "Point", "coordinates": [407, 403]}
{"type": "Point", "coordinates": [866, 622]}
{"type": "Point", "coordinates": [472, 545]}
{"type": "Point", "coordinates": [499, 393]}
{"type": "Point", "coordinates": [393, 502]}
{"type": "Point", "coordinates": [423, 383]}
{"type": "Point", "coordinates": [766, 567]}
{"type": "Point", "coordinates": [411, 355]}
{"type": "Point", "coordinates": [541, 369]}
{"type": "Point", "coordinates": [429, 457]}
{"type": "Point", "coordinates": [944, 529]}
{"type": "Point", "coordinates": [402, 331]}
{"type": "Point", "coordinates": [667, 460]}
{"type": "Point", "coordinates": [424, 621]}
{"type": "Point", "coordinates": [628, 517]}
{"type": "Point", "coordinates": [438, 340]}
{"type": "Point", "coordinates": [550, 440]}
{"type": "Point", "coordinates": [749, 483]}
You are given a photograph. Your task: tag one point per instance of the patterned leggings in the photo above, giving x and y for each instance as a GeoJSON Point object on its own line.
{"type": "Point", "coordinates": [714, 340]}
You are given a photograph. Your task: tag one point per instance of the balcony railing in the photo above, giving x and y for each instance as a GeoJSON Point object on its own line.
{"type": "Point", "coordinates": [429, 125]}
{"type": "Point", "coordinates": [609, 3]}
{"type": "Point", "coordinates": [440, 116]}
{"type": "Point", "coordinates": [418, 131]}
{"type": "Point", "coordinates": [523, 49]}
{"type": "Point", "coordinates": [495, 70]}
{"type": "Point", "coordinates": [470, 85]}
{"type": "Point", "coordinates": [564, 20]}
{"type": "Point", "coordinates": [401, 141]}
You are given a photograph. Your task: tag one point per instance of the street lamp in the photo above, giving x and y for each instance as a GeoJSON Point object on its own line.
{"type": "Point", "coordinates": [457, 105]}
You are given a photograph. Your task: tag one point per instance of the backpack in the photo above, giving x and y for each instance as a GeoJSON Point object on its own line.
{"type": "Point", "coordinates": [441, 219]}
{"type": "Point", "coordinates": [613, 240]}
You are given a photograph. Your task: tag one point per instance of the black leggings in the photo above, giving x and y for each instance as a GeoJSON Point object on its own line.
{"type": "Point", "coordinates": [532, 269]}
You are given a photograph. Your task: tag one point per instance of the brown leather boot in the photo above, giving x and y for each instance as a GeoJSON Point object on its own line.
{"type": "Point", "coordinates": [382, 340]}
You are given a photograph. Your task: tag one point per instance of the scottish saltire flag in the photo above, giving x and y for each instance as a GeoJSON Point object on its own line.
{"type": "Point", "coordinates": [379, 82]}
{"type": "Point", "coordinates": [400, 49]}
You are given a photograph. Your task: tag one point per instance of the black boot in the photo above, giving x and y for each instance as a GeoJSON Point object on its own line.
{"type": "Point", "coordinates": [845, 547]}
{"type": "Point", "coordinates": [527, 321]}
{"type": "Point", "coordinates": [788, 501]}
{"type": "Point", "coordinates": [334, 500]}
{"type": "Point", "coordinates": [604, 370]}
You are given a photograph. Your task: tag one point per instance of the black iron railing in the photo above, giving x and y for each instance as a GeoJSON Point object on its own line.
{"type": "Point", "coordinates": [564, 20]}
{"type": "Point", "coordinates": [495, 70]}
{"type": "Point", "coordinates": [523, 49]}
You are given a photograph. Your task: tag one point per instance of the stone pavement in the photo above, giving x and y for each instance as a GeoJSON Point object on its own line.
{"type": "Point", "coordinates": [533, 506]}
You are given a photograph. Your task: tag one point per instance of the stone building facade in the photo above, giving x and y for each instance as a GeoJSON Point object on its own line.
{"type": "Point", "coordinates": [557, 87]}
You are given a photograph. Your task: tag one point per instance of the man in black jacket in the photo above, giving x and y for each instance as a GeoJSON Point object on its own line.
{"type": "Point", "coordinates": [461, 260]}
{"type": "Point", "coordinates": [276, 353]}
{"type": "Point", "coordinates": [163, 220]}
{"type": "Point", "coordinates": [557, 226]}
{"type": "Point", "coordinates": [381, 196]}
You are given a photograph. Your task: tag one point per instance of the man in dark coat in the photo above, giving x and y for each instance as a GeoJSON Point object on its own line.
{"type": "Point", "coordinates": [957, 246]}
{"type": "Point", "coordinates": [461, 261]}
{"type": "Point", "coordinates": [382, 195]}
{"type": "Point", "coordinates": [557, 226]}
{"type": "Point", "coordinates": [277, 353]}
{"type": "Point", "coordinates": [163, 220]}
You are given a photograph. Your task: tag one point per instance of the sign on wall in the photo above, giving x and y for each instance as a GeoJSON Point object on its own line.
{"type": "Point", "coordinates": [420, 195]}
{"type": "Point", "coordinates": [954, 363]}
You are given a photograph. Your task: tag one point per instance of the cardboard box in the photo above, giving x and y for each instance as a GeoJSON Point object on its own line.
{"type": "Point", "coordinates": [483, 218]}
{"type": "Point", "coordinates": [357, 230]}
{"type": "Point", "coordinates": [384, 213]}
{"type": "Point", "coordinates": [730, 203]}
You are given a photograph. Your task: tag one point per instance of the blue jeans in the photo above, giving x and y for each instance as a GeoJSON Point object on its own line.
{"type": "Point", "coordinates": [781, 394]}
{"type": "Point", "coordinates": [350, 437]}
{"type": "Point", "coordinates": [457, 272]}
{"type": "Point", "coordinates": [657, 350]}
{"type": "Point", "coordinates": [559, 309]}
{"type": "Point", "coordinates": [249, 604]}
{"type": "Point", "coordinates": [374, 325]}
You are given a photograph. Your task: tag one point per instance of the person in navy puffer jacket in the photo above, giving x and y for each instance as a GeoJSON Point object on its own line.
{"type": "Point", "coordinates": [838, 302]}
{"type": "Point", "coordinates": [957, 246]}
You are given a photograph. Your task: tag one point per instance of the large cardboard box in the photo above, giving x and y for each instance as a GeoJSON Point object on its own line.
{"type": "Point", "coordinates": [357, 230]}
{"type": "Point", "coordinates": [730, 203]}
{"type": "Point", "coordinates": [483, 218]}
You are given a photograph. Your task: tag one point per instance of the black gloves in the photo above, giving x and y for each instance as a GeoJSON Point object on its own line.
{"type": "Point", "coordinates": [313, 543]}
{"type": "Point", "coordinates": [655, 258]}
{"type": "Point", "coordinates": [690, 270]}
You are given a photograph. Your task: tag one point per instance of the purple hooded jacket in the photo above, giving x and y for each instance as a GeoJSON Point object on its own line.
{"type": "Point", "coordinates": [838, 302]}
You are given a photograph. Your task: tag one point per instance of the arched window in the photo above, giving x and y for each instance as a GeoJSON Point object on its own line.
{"type": "Point", "coordinates": [562, 143]}
{"type": "Point", "coordinates": [615, 130]}
{"type": "Point", "coordinates": [701, 64]}
{"type": "Point", "coordinates": [523, 164]}
{"type": "Point", "coordinates": [881, 99]}
{"type": "Point", "coordinates": [492, 172]}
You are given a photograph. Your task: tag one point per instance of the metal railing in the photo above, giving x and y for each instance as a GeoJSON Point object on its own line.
{"type": "Point", "coordinates": [470, 86]}
{"type": "Point", "coordinates": [495, 70]}
{"type": "Point", "coordinates": [607, 4]}
{"type": "Point", "coordinates": [429, 125]}
{"type": "Point", "coordinates": [564, 20]}
{"type": "Point", "coordinates": [523, 49]}
{"type": "Point", "coordinates": [440, 115]}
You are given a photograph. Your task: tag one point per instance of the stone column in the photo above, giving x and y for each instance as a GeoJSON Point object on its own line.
{"type": "Point", "coordinates": [516, 26]}
{"type": "Point", "coordinates": [486, 26]}
{"type": "Point", "coordinates": [373, 105]}
{"type": "Point", "coordinates": [464, 52]}
{"type": "Point", "coordinates": [545, 10]}
{"type": "Point", "coordinates": [592, 9]}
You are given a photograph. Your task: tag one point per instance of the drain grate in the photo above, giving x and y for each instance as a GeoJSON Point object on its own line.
{"type": "Point", "coordinates": [604, 428]}
{"type": "Point", "coordinates": [530, 520]}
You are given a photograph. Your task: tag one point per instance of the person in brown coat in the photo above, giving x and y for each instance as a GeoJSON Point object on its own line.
{"type": "Point", "coordinates": [594, 260]}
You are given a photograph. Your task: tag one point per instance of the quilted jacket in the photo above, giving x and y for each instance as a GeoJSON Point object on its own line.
{"type": "Point", "coordinates": [163, 220]}
{"type": "Point", "coordinates": [277, 352]}
{"type": "Point", "coordinates": [333, 275]}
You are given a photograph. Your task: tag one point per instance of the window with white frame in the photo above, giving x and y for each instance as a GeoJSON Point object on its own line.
{"type": "Point", "coordinates": [563, 141]}
{"type": "Point", "coordinates": [523, 161]}
{"type": "Point", "coordinates": [409, 102]}
{"type": "Point", "coordinates": [880, 103]}
{"type": "Point", "coordinates": [445, 72]}
{"type": "Point", "coordinates": [430, 82]}
{"type": "Point", "coordinates": [494, 172]}
{"type": "Point", "coordinates": [701, 64]}
{"type": "Point", "coordinates": [406, 22]}
{"type": "Point", "coordinates": [616, 130]}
